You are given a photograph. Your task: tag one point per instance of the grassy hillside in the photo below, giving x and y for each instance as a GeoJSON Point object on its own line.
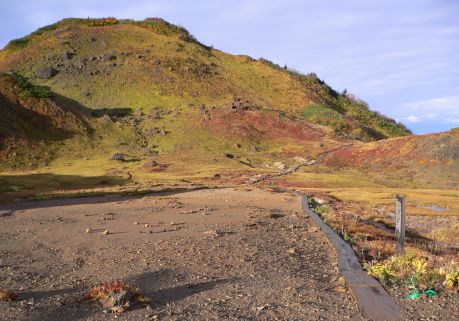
{"type": "Point", "coordinates": [109, 63]}
{"type": "Point", "coordinates": [75, 93]}
{"type": "Point", "coordinates": [430, 159]}
{"type": "Point", "coordinates": [32, 121]}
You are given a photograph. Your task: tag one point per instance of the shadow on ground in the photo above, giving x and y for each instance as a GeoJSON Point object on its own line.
{"type": "Point", "coordinates": [13, 187]}
{"type": "Point", "coordinates": [73, 305]}
{"type": "Point", "coordinates": [69, 182]}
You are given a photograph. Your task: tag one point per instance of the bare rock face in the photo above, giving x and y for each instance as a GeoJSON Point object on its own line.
{"type": "Point", "coordinates": [45, 72]}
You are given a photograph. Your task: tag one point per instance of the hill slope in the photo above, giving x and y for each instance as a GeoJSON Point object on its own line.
{"type": "Point", "coordinates": [31, 119]}
{"type": "Point", "coordinates": [175, 107]}
{"type": "Point", "coordinates": [430, 159]}
{"type": "Point", "coordinates": [106, 63]}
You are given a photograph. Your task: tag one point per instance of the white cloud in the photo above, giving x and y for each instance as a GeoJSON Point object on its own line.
{"type": "Point", "coordinates": [441, 104]}
{"type": "Point", "coordinates": [412, 119]}
{"type": "Point", "coordinates": [436, 110]}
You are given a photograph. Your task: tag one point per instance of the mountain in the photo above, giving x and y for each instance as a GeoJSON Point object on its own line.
{"type": "Point", "coordinates": [78, 91]}
{"type": "Point", "coordinates": [431, 159]}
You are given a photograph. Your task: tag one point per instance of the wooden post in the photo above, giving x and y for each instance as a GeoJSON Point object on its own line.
{"type": "Point", "coordinates": [400, 222]}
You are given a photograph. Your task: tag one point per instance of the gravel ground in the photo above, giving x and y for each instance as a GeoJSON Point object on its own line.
{"type": "Point", "coordinates": [204, 255]}
{"type": "Point", "coordinates": [220, 254]}
{"type": "Point", "coordinates": [444, 307]}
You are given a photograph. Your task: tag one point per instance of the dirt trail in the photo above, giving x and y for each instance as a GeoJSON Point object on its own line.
{"type": "Point", "coordinates": [220, 254]}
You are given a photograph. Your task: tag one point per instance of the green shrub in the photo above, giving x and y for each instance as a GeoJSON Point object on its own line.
{"type": "Point", "coordinates": [30, 90]}
{"type": "Point", "coordinates": [17, 44]}
{"type": "Point", "coordinates": [41, 31]}
{"type": "Point", "coordinates": [100, 22]}
{"type": "Point", "coordinates": [23, 42]}
{"type": "Point", "coordinates": [322, 208]}
{"type": "Point", "coordinates": [322, 115]}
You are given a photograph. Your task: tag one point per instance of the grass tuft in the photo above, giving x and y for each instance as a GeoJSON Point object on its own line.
{"type": "Point", "coordinates": [7, 295]}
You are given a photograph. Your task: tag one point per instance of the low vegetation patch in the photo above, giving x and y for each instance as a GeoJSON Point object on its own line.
{"type": "Point", "coordinates": [100, 22]}
{"type": "Point", "coordinates": [28, 89]}
{"type": "Point", "coordinates": [424, 270]}
{"type": "Point", "coordinates": [321, 115]}
{"type": "Point", "coordinates": [416, 270]}
{"type": "Point", "coordinates": [118, 296]}
{"type": "Point", "coordinates": [17, 44]}
{"type": "Point", "coordinates": [7, 295]}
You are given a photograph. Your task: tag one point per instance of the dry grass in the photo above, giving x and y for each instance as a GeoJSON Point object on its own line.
{"type": "Point", "coordinates": [450, 235]}
{"type": "Point", "coordinates": [384, 197]}
{"type": "Point", "coordinates": [104, 290]}
{"type": "Point", "coordinates": [7, 295]}
{"type": "Point", "coordinates": [117, 295]}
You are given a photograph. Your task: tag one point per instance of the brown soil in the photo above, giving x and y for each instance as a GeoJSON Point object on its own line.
{"type": "Point", "coordinates": [217, 254]}
{"type": "Point", "coordinates": [204, 255]}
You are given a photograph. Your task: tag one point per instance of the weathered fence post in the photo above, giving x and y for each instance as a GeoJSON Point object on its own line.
{"type": "Point", "coordinates": [400, 222]}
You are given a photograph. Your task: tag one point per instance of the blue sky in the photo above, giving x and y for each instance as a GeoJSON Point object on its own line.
{"type": "Point", "coordinates": [402, 57]}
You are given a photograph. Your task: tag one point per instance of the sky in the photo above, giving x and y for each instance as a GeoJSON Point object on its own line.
{"type": "Point", "coordinates": [402, 57]}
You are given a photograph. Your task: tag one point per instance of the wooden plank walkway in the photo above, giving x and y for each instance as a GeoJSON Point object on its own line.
{"type": "Point", "coordinates": [372, 299]}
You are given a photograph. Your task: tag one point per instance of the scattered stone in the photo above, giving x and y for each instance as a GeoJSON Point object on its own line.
{"type": "Point", "coordinates": [229, 155]}
{"type": "Point", "coordinates": [319, 200]}
{"type": "Point", "coordinates": [45, 72]}
{"type": "Point", "coordinates": [292, 168]}
{"type": "Point", "coordinates": [105, 232]}
{"type": "Point", "coordinates": [239, 104]}
{"type": "Point", "coordinates": [156, 115]}
{"type": "Point", "coordinates": [212, 233]}
{"type": "Point", "coordinates": [6, 213]}
{"type": "Point", "coordinates": [68, 54]}
{"type": "Point", "coordinates": [279, 165]}
{"type": "Point", "coordinates": [291, 250]}
{"type": "Point", "coordinates": [188, 212]}
{"type": "Point", "coordinates": [105, 119]}
{"type": "Point", "coordinates": [88, 230]}
{"type": "Point", "coordinates": [109, 57]}
{"type": "Point", "coordinates": [260, 308]}
{"type": "Point", "coordinates": [118, 310]}
{"type": "Point", "coordinates": [116, 299]}
{"type": "Point", "coordinates": [300, 160]}
{"type": "Point", "coordinates": [119, 157]}
{"type": "Point", "coordinates": [139, 113]}
{"type": "Point", "coordinates": [150, 164]}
